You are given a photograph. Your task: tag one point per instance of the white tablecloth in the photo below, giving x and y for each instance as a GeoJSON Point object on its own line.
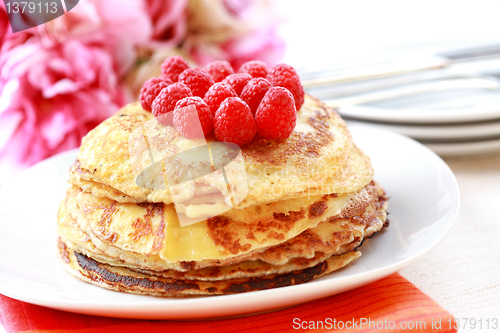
{"type": "Point", "coordinates": [463, 273]}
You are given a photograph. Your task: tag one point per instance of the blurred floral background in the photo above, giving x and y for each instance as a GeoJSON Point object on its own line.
{"type": "Point", "coordinates": [59, 80]}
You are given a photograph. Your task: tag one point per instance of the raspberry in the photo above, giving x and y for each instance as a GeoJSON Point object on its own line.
{"type": "Point", "coordinates": [165, 102]}
{"type": "Point", "coordinates": [189, 114]}
{"type": "Point", "coordinates": [217, 94]}
{"type": "Point", "coordinates": [233, 122]}
{"type": "Point", "coordinates": [276, 115]}
{"type": "Point", "coordinates": [283, 75]}
{"type": "Point", "coordinates": [219, 70]}
{"type": "Point", "coordinates": [238, 81]}
{"type": "Point", "coordinates": [254, 91]}
{"type": "Point", "coordinates": [255, 68]}
{"type": "Point", "coordinates": [150, 89]}
{"type": "Point", "coordinates": [197, 80]}
{"type": "Point", "coordinates": [172, 67]}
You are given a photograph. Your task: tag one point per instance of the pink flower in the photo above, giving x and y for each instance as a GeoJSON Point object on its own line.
{"type": "Point", "coordinates": [169, 20]}
{"type": "Point", "coordinates": [4, 23]}
{"type": "Point", "coordinates": [233, 30]}
{"type": "Point", "coordinates": [48, 107]}
{"type": "Point", "coordinates": [117, 26]}
{"type": "Point", "coordinates": [61, 79]}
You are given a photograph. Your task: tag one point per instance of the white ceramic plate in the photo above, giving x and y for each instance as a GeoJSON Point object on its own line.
{"type": "Point", "coordinates": [465, 148]}
{"type": "Point", "coordinates": [453, 106]}
{"type": "Point", "coordinates": [423, 207]}
{"type": "Point", "coordinates": [420, 116]}
{"type": "Point", "coordinates": [448, 132]}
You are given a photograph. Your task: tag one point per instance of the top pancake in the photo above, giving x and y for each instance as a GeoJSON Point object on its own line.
{"type": "Point", "coordinates": [318, 158]}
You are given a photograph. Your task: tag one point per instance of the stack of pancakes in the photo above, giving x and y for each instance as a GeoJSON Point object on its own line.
{"type": "Point", "coordinates": [310, 202]}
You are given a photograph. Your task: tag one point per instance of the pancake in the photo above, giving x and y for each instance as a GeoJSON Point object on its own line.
{"type": "Point", "coordinates": [150, 212]}
{"type": "Point", "coordinates": [122, 279]}
{"type": "Point", "coordinates": [306, 250]}
{"type": "Point", "coordinates": [149, 237]}
{"type": "Point", "coordinates": [319, 157]}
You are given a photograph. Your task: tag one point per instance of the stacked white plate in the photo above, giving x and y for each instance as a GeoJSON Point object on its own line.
{"type": "Point", "coordinates": [454, 109]}
{"type": "Point", "coordinates": [451, 123]}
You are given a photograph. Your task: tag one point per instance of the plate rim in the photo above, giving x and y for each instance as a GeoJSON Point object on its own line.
{"type": "Point", "coordinates": [363, 112]}
{"type": "Point", "coordinates": [444, 132]}
{"type": "Point", "coordinates": [465, 148]}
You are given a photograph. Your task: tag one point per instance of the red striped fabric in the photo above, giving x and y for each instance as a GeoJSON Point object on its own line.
{"type": "Point", "coordinates": [392, 304]}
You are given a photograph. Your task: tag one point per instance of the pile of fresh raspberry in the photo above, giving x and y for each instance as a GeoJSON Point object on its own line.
{"type": "Point", "coordinates": [236, 105]}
